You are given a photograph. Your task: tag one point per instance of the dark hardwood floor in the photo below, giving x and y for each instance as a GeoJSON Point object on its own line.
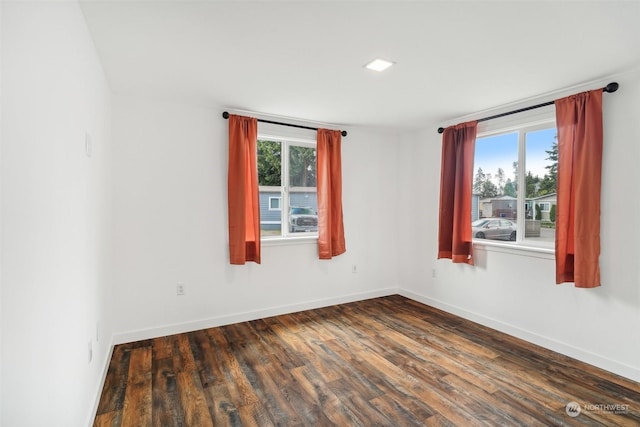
{"type": "Point", "coordinates": [384, 362]}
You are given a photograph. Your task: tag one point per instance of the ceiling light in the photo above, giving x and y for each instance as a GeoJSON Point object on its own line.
{"type": "Point", "coordinates": [379, 64]}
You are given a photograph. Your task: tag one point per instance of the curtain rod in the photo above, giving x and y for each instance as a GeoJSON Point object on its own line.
{"type": "Point", "coordinates": [610, 88]}
{"type": "Point", "coordinates": [225, 115]}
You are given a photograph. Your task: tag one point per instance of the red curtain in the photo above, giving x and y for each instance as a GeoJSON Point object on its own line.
{"type": "Point", "coordinates": [244, 202]}
{"type": "Point", "coordinates": [579, 122]}
{"type": "Point", "coordinates": [456, 178]}
{"type": "Point", "coordinates": [329, 175]}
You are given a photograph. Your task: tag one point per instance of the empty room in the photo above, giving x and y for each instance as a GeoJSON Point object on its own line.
{"type": "Point", "coordinates": [305, 213]}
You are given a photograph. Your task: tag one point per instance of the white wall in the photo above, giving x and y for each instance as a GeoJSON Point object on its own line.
{"type": "Point", "coordinates": [518, 294]}
{"type": "Point", "coordinates": [55, 216]}
{"type": "Point", "coordinates": [1, 100]}
{"type": "Point", "coordinates": [171, 226]}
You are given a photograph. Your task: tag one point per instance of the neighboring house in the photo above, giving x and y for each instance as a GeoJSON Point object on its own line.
{"type": "Point", "coordinates": [504, 207]}
{"type": "Point", "coordinates": [475, 207]}
{"type": "Point", "coordinates": [545, 202]}
{"type": "Point", "coordinates": [271, 206]}
{"type": "Point", "coordinates": [485, 208]}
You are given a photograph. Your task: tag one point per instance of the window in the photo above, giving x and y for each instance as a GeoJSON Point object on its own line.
{"type": "Point", "coordinates": [287, 185]}
{"type": "Point", "coordinates": [274, 203]}
{"type": "Point", "coordinates": [515, 167]}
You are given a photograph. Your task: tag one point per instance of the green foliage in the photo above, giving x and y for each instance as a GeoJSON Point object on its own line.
{"type": "Point", "coordinates": [477, 183]}
{"type": "Point", "coordinates": [269, 163]}
{"type": "Point", "coordinates": [484, 186]}
{"type": "Point", "coordinates": [302, 166]}
{"type": "Point", "coordinates": [510, 188]}
{"type": "Point", "coordinates": [501, 180]}
{"type": "Point", "coordinates": [532, 184]}
{"type": "Point", "coordinates": [552, 213]}
{"type": "Point", "coordinates": [549, 182]}
{"type": "Point", "coordinates": [538, 212]}
{"type": "Point", "coordinates": [553, 156]}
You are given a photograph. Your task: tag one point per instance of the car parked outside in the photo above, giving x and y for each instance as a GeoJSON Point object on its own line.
{"type": "Point", "coordinates": [493, 228]}
{"type": "Point", "coordinates": [302, 219]}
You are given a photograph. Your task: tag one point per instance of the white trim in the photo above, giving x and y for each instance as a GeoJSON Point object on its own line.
{"type": "Point", "coordinates": [544, 252]}
{"type": "Point", "coordinates": [581, 354]}
{"type": "Point", "coordinates": [288, 119]}
{"type": "Point", "coordinates": [98, 393]}
{"type": "Point", "coordinates": [308, 238]}
{"type": "Point", "coordinates": [300, 142]}
{"type": "Point", "coordinates": [303, 189]}
{"type": "Point", "coordinates": [279, 199]}
{"type": "Point", "coordinates": [271, 222]}
{"type": "Point", "coordinates": [178, 328]}
{"type": "Point", "coordinates": [269, 189]}
{"type": "Point", "coordinates": [544, 118]}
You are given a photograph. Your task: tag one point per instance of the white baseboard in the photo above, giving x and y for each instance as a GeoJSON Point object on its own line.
{"type": "Point", "coordinates": [178, 328]}
{"type": "Point", "coordinates": [105, 368]}
{"type": "Point", "coordinates": [627, 371]}
{"type": "Point", "coordinates": [599, 361]}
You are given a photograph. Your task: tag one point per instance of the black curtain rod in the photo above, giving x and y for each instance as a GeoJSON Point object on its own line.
{"type": "Point", "coordinates": [225, 115]}
{"type": "Point", "coordinates": [610, 88]}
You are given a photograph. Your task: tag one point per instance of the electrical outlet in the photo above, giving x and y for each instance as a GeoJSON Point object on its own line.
{"type": "Point", "coordinates": [354, 268]}
{"type": "Point", "coordinates": [180, 289]}
{"type": "Point", "coordinates": [434, 273]}
{"type": "Point", "coordinates": [90, 351]}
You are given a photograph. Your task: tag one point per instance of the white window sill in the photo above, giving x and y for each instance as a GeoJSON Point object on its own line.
{"type": "Point", "coordinates": [284, 241]}
{"type": "Point", "coordinates": [522, 249]}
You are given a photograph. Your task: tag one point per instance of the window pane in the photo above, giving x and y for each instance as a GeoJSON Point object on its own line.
{"type": "Point", "coordinates": [303, 212]}
{"type": "Point", "coordinates": [542, 165]}
{"type": "Point", "coordinates": [269, 163]}
{"type": "Point", "coordinates": [495, 188]}
{"type": "Point", "coordinates": [274, 203]}
{"type": "Point", "coordinates": [287, 169]}
{"type": "Point", "coordinates": [302, 166]}
{"type": "Point", "coordinates": [270, 219]}
{"type": "Point", "coordinates": [269, 175]}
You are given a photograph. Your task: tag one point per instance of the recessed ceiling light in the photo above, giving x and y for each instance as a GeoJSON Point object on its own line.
{"type": "Point", "coordinates": [379, 64]}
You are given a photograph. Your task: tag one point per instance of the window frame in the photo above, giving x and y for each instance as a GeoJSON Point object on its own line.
{"type": "Point", "coordinates": [522, 123]}
{"type": "Point", "coordinates": [286, 237]}
{"type": "Point", "coordinates": [279, 199]}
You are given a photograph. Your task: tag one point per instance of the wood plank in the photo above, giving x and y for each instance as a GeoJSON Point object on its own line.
{"type": "Point", "coordinates": [166, 409]}
{"type": "Point", "coordinates": [112, 398]}
{"type": "Point", "coordinates": [255, 415]}
{"type": "Point", "coordinates": [383, 361]}
{"type": "Point", "coordinates": [138, 397]}
{"type": "Point", "coordinates": [108, 419]}
{"type": "Point", "coordinates": [279, 407]}
{"type": "Point", "coordinates": [221, 407]}
{"type": "Point", "coordinates": [192, 400]}
{"type": "Point", "coordinates": [237, 383]}
{"type": "Point", "coordinates": [399, 413]}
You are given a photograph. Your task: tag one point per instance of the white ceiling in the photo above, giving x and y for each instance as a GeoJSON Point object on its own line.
{"type": "Point", "coordinates": [304, 59]}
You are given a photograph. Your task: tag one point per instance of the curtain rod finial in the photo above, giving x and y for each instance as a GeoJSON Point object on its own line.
{"type": "Point", "coordinates": [343, 133]}
{"type": "Point", "coordinates": [440, 130]}
{"type": "Point", "coordinates": [225, 115]}
{"type": "Point", "coordinates": [611, 87]}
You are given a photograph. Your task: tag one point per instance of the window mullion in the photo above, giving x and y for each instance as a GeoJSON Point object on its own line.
{"type": "Point", "coordinates": [522, 186]}
{"type": "Point", "coordinates": [285, 189]}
